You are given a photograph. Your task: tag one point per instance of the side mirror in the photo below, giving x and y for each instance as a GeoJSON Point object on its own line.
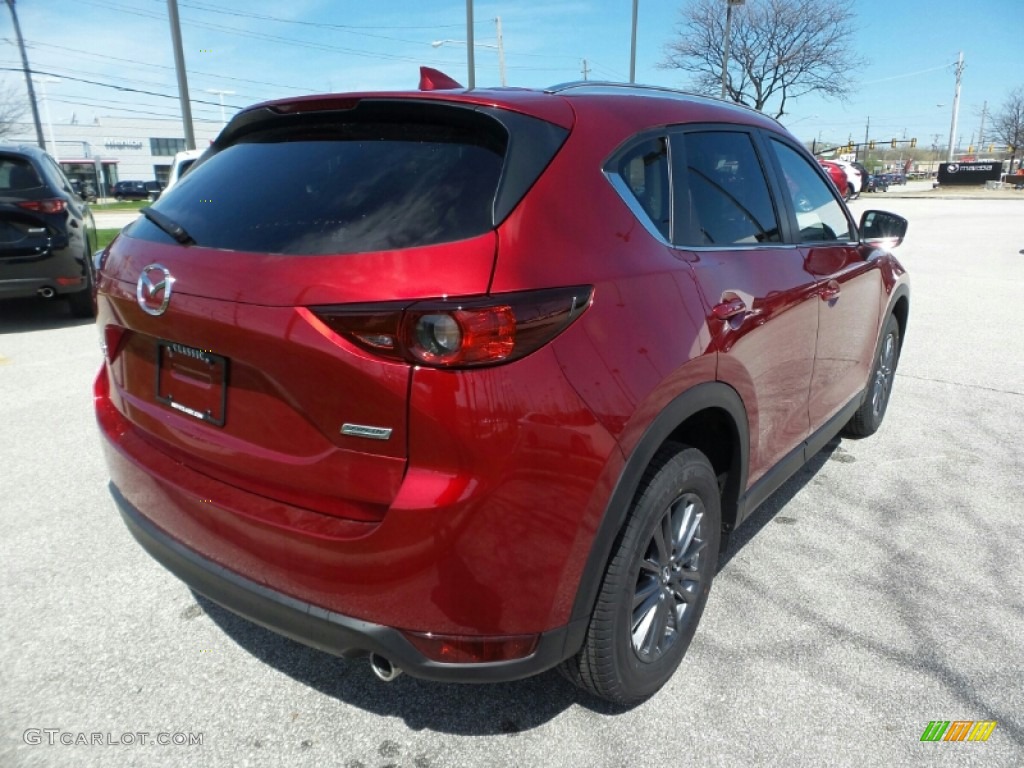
{"type": "Point", "coordinates": [882, 228]}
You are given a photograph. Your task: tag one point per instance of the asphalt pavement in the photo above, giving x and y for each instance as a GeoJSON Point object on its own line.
{"type": "Point", "coordinates": [879, 589]}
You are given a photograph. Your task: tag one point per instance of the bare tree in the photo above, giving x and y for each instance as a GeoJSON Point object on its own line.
{"type": "Point", "coordinates": [1008, 123]}
{"type": "Point", "coordinates": [779, 50]}
{"type": "Point", "coordinates": [12, 108]}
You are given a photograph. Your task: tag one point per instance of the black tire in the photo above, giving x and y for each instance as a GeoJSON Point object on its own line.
{"type": "Point", "coordinates": [868, 417]}
{"type": "Point", "coordinates": [654, 591]}
{"type": "Point", "coordinates": [848, 194]}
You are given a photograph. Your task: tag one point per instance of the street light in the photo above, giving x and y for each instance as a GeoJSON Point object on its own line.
{"type": "Point", "coordinates": [725, 47]}
{"type": "Point", "coordinates": [46, 108]}
{"type": "Point", "coordinates": [500, 47]}
{"type": "Point", "coordinates": [221, 94]}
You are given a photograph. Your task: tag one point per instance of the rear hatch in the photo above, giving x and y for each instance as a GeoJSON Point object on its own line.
{"type": "Point", "coordinates": [338, 204]}
{"type": "Point", "coordinates": [30, 222]}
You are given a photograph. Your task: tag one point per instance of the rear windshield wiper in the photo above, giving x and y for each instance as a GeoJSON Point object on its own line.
{"type": "Point", "coordinates": [168, 225]}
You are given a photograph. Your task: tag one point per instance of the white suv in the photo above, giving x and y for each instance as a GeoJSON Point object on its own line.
{"type": "Point", "coordinates": [854, 178]}
{"type": "Point", "coordinates": [181, 163]}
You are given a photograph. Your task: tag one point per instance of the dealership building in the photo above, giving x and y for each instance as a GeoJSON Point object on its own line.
{"type": "Point", "coordinates": [104, 150]}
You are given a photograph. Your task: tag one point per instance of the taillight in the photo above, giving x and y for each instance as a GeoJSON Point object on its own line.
{"type": "Point", "coordinates": [459, 333]}
{"type": "Point", "coordinates": [51, 205]}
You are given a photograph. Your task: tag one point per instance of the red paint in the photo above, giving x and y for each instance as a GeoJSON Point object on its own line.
{"type": "Point", "coordinates": [475, 518]}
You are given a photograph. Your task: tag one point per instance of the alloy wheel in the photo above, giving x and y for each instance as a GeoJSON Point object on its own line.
{"type": "Point", "coordinates": [670, 578]}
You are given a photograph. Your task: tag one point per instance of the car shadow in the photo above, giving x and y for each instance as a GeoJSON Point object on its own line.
{"type": "Point", "coordinates": [771, 506]}
{"type": "Point", "coordinates": [458, 709]}
{"type": "Point", "coordinates": [19, 315]}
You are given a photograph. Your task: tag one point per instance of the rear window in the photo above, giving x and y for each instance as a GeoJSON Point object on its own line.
{"type": "Point", "coordinates": [326, 184]}
{"type": "Point", "coordinates": [17, 173]}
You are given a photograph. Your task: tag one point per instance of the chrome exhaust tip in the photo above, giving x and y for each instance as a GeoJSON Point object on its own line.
{"type": "Point", "coordinates": [47, 292]}
{"type": "Point", "coordinates": [383, 668]}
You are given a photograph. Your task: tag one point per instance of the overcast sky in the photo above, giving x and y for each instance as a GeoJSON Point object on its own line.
{"type": "Point", "coordinates": [264, 49]}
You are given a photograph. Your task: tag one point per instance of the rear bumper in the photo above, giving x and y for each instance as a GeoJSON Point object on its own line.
{"type": "Point", "coordinates": [23, 277]}
{"type": "Point", "coordinates": [326, 630]}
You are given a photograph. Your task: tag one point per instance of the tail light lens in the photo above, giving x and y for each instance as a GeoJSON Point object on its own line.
{"type": "Point", "coordinates": [52, 205]}
{"type": "Point", "coordinates": [459, 333]}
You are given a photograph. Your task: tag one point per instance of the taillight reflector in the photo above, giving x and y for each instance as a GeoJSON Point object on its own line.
{"type": "Point", "coordinates": [460, 649]}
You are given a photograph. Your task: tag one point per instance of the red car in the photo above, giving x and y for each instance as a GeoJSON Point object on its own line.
{"type": "Point", "coordinates": [477, 382]}
{"type": "Point", "coordinates": [838, 177]}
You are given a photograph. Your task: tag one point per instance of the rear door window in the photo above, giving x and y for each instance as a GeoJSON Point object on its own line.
{"type": "Point", "coordinates": [723, 196]}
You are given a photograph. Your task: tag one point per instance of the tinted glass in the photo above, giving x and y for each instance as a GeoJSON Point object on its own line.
{"type": "Point", "coordinates": [644, 169]}
{"type": "Point", "coordinates": [726, 194]}
{"type": "Point", "coordinates": [340, 188]}
{"type": "Point", "coordinates": [17, 173]}
{"type": "Point", "coordinates": [819, 216]}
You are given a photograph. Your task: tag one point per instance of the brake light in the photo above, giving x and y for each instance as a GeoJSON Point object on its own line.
{"type": "Point", "coordinates": [51, 205]}
{"type": "Point", "coordinates": [459, 333]}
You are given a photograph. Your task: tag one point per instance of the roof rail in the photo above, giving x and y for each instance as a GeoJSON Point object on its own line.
{"type": "Point", "coordinates": [597, 87]}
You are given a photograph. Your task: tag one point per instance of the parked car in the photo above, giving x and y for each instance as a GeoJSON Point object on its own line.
{"type": "Point", "coordinates": [864, 172]}
{"type": "Point", "coordinates": [46, 231]}
{"type": "Point", "coordinates": [403, 397]}
{"type": "Point", "coordinates": [876, 183]}
{"type": "Point", "coordinates": [137, 190]}
{"type": "Point", "coordinates": [84, 190]}
{"type": "Point", "coordinates": [854, 178]}
{"type": "Point", "coordinates": [838, 177]}
{"type": "Point", "coordinates": [182, 162]}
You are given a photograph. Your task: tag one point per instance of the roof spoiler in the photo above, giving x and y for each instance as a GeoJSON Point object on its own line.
{"type": "Point", "coordinates": [435, 80]}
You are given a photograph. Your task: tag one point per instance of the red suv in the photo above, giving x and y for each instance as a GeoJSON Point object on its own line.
{"type": "Point", "coordinates": [477, 382]}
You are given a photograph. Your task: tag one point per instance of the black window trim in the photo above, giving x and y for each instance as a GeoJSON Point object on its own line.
{"type": "Point", "coordinates": [791, 229]}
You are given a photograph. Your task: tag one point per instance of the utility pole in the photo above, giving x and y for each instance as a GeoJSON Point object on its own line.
{"type": "Point", "coordinates": [956, 105]}
{"type": "Point", "coordinates": [179, 66]}
{"type": "Point", "coordinates": [221, 94]}
{"type": "Point", "coordinates": [981, 130]}
{"type": "Point", "coordinates": [585, 69]}
{"type": "Point", "coordinates": [28, 78]}
{"type": "Point", "coordinates": [470, 45]}
{"type": "Point", "coordinates": [632, 47]}
{"type": "Point", "coordinates": [501, 51]}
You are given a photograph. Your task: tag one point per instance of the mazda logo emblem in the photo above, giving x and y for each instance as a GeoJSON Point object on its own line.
{"type": "Point", "coordinates": [153, 290]}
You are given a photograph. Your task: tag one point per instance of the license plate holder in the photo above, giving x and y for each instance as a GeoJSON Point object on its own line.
{"type": "Point", "coordinates": [192, 381]}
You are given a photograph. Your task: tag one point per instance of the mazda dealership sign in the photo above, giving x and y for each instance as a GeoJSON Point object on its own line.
{"type": "Point", "coordinates": [970, 173]}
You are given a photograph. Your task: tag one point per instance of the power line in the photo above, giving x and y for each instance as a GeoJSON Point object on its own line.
{"type": "Point", "coordinates": [114, 108]}
{"type": "Point", "coordinates": [262, 36]}
{"type": "Point", "coordinates": [204, 7]}
{"type": "Point", "coordinates": [317, 25]}
{"type": "Point", "coordinates": [218, 75]}
{"type": "Point", "coordinates": [117, 87]}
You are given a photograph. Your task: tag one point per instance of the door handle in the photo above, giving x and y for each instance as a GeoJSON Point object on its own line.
{"type": "Point", "coordinates": [727, 309]}
{"type": "Point", "coordinates": [830, 292]}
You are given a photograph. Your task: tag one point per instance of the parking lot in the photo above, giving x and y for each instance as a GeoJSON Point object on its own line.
{"type": "Point", "coordinates": [881, 588]}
